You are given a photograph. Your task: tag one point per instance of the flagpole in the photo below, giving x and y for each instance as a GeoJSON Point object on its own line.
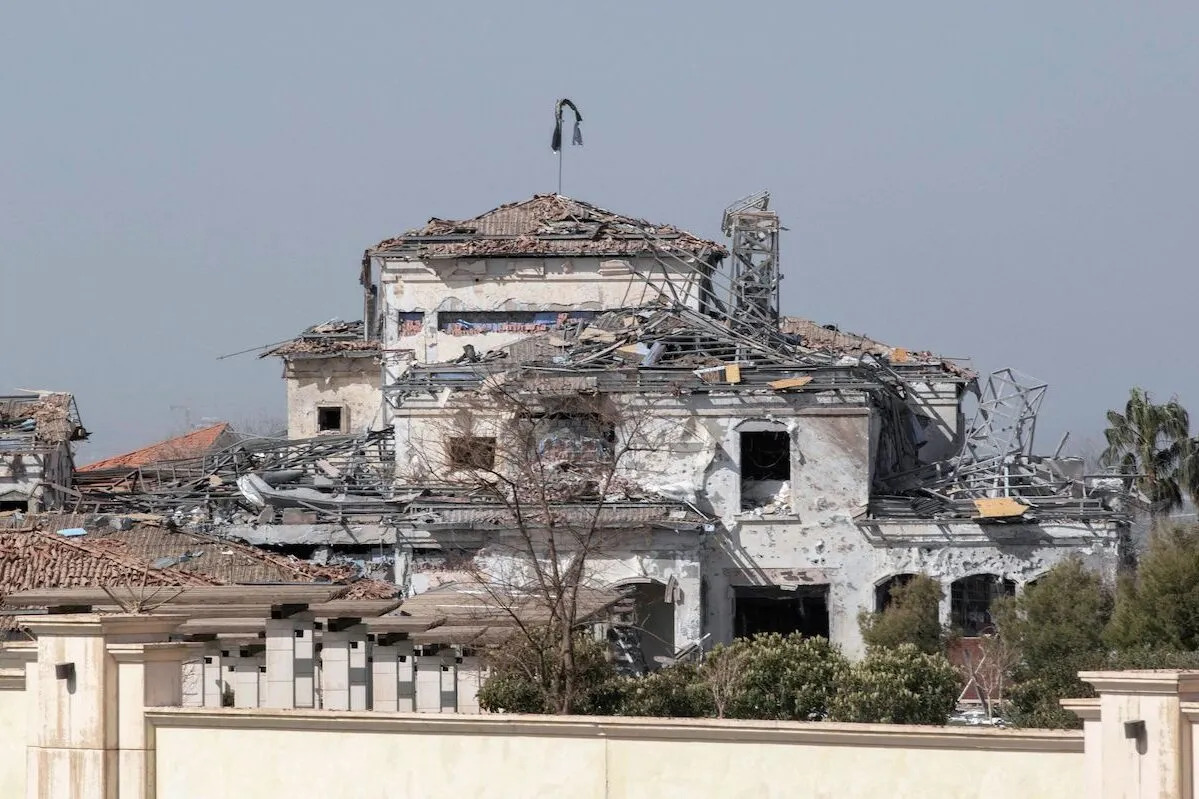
{"type": "Point", "coordinates": [560, 149]}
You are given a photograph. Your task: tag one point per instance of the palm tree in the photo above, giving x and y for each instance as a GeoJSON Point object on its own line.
{"type": "Point", "coordinates": [1151, 444]}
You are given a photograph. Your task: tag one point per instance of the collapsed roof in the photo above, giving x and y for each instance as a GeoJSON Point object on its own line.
{"type": "Point", "coordinates": [544, 225]}
{"type": "Point", "coordinates": [49, 417]}
{"type": "Point", "coordinates": [327, 339]}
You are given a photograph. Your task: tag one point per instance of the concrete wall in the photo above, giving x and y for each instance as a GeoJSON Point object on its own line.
{"type": "Point", "coordinates": [23, 477]}
{"type": "Point", "coordinates": [219, 753]}
{"type": "Point", "coordinates": [352, 383]}
{"type": "Point", "coordinates": [510, 284]}
{"type": "Point", "coordinates": [813, 533]}
{"type": "Point", "coordinates": [14, 717]}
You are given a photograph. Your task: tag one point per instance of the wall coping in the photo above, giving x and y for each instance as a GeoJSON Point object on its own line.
{"type": "Point", "coordinates": [1170, 682]}
{"type": "Point", "coordinates": [94, 624]}
{"type": "Point", "coordinates": [164, 651]}
{"type": "Point", "coordinates": [12, 679]}
{"type": "Point", "coordinates": [737, 731]}
{"type": "Point", "coordinates": [1087, 709]}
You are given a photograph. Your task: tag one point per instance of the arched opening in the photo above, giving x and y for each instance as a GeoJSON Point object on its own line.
{"type": "Point", "coordinates": [644, 640]}
{"type": "Point", "coordinates": [970, 602]}
{"type": "Point", "coordinates": [882, 591]}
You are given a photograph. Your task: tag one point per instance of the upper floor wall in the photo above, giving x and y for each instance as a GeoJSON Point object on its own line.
{"type": "Point", "coordinates": [435, 308]}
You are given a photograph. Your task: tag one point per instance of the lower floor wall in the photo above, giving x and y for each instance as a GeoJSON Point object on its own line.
{"type": "Point", "coordinates": [764, 576]}
{"type": "Point", "coordinates": [220, 753]}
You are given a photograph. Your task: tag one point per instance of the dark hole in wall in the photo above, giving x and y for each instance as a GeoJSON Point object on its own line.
{"type": "Point", "coordinates": [770, 609]}
{"type": "Point", "coordinates": [14, 504]}
{"type": "Point", "coordinates": [472, 452]}
{"type": "Point", "coordinates": [328, 419]}
{"type": "Point", "coordinates": [970, 602]}
{"type": "Point", "coordinates": [766, 455]}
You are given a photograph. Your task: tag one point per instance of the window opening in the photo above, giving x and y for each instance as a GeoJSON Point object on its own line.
{"type": "Point", "coordinates": [970, 602]}
{"type": "Point", "coordinates": [771, 609]}
{"type": "Point", "coordinates": [765, 468]}
{"type": "Point", "coordinates": [329, 419]}
{"type": "Point", "coordinates": [472, 452]}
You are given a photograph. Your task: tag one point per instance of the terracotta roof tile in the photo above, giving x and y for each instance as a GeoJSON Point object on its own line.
{"type": "Point", "coordinates": [152, 556]}
{"type": "Point", "coordinates": [192, 445]}
{"type": "Point", "coordinates": [546, 224]}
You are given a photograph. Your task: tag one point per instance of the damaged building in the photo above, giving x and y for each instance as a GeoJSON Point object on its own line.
{"type": "Point", "coordinates": [787, 474]}
{"type": "Point", "coordinates": [551, 386]}
{"type": "Point", "coordinates": [37, 437]}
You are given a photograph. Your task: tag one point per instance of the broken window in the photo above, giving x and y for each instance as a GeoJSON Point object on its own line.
{"type": "Point", "coordinates": [970, 602]}
{"type": "Point", "coordinates": [765, 468]}
{"type": "Point", "coordinates": [573, 437]}
{"type": "Point", "coordinates": [773, 609]}
{"type": "Point", "coordinates": [882, 592]}
{"type": "Point", "coordinates": [472, 452]}
{"type": "Point", "coordinates": [11, 505]}
{"type": "Point", "coordinates": [465, 323]}
{"type": "Point", "coordinates": [330, 419]}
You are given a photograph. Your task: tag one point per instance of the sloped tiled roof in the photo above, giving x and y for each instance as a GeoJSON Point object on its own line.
{"type": "Point", "coordinates": [35, 555]}
{"type": "Point", "coordinates": [546, 224]}
{"type": "Point", "coordinates": [192, 445]}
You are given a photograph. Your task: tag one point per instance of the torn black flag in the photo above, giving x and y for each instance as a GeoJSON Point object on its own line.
{"type": "Point", "coordinates": [577, 137]}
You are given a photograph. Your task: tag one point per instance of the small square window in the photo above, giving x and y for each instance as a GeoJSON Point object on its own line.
{"type": "Point", "coordinates": [472, 452]}
{"type": "Point", "coordinates": [329, 419]}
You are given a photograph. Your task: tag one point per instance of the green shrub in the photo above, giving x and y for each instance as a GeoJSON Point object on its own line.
{"type": "Point", "coordinates": [526, 677]}
{"type": "Point", "coordinates": [1057, 627]}
{"type": "Point", "coordinates": [912, 617]}
{"type": "Point", "coordinates": [789, 677]}
{"type": "Point", "coordinates": [1158, 608]}
{"type": "Point", "coordinates": [898, 685]}
{"type": "Point", "coordinates": [672, 692]}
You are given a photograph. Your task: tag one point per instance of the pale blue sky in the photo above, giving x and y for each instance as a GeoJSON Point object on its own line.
{"type": "Point", "coordinates": [1010, 181]}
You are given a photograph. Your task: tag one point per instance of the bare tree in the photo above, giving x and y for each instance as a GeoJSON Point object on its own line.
{"type": "Point", "coordinates": [549, 457]}
{"type": "Point", "coordinates": [721, 675]}
{"type": "Point", "coordinates": [989, 671]}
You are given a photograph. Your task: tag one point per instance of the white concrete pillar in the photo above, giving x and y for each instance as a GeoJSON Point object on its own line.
{"type": "Point", "coordinates": [1143, 737]}
{"type": "Point", "coordinates": [148, 675]}
{"type": "Point", "coordinates": [385, 678]}
{"type": "Point", "coordinates": [449, 681]}
{"type": "Point", "coordinates": [360, 671]}
{"type": "Point", "coordinates": [405, 677]}
{"type": "Point", "coordinates": [86, 729]}
{"type": "Point", "coordinates": [335, 670]}
{"type": "Point", "coordinates": [428, 684]}
{"type": "Point", "coordinates": [289, 682]}
{"type": "Point", "coordinates": [304, 664]}
{"type": "Point", "coordinates": [470, 679]}
{"type": "Point", "coordinates": [214, 677]}
{"type": "Point", "coordinates": [245, 680]}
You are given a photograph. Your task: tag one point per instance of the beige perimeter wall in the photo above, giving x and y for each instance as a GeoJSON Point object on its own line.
{"type": "Point", "coordinates": [13, 718]}
{"type": "Point", "coordinates": [289, 754]}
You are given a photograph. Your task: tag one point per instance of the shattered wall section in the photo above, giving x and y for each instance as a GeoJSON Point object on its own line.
{"type": "Point", "coordinates": [352, 384]}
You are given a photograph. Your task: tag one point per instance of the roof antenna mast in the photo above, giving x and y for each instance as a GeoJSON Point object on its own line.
{"type": "Point", "coordinates": [576, 138]}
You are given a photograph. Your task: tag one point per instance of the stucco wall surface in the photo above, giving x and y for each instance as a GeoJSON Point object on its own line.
{"type": "Point", "coordinates": [219, 753]}
{"type": "Point", "coordinates": [13, 717]}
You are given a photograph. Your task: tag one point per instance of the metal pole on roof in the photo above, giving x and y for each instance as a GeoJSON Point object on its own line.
{"type": "Point", "coordinates": [556, 141]}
